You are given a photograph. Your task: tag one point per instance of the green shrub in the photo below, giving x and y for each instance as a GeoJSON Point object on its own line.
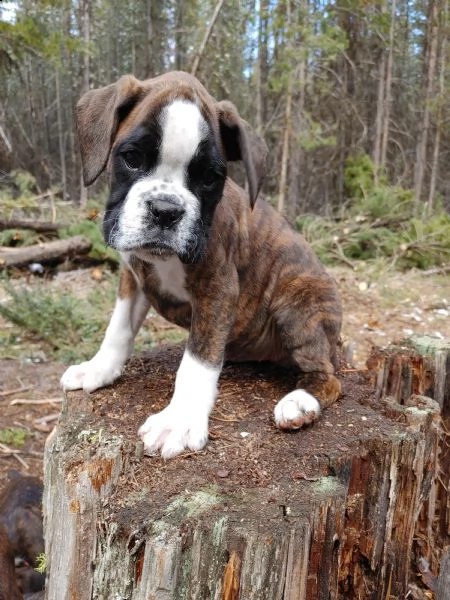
{"type": "Point", "coordinates": [66, 325]}
{"type": "Point", "coordinates": [92, 231]}
{"type": "Point", "coordinates": [13, 436]}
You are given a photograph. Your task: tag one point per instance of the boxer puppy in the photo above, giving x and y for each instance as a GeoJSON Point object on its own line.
{"type": "Point", "coordinates": [196, 247]}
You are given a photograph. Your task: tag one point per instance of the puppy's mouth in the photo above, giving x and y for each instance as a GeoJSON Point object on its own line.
{"type": "Point", "coordinates": [152, 248]}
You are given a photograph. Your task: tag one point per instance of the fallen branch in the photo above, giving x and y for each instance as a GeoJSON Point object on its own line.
{"type": "Point", "coordinates": [38, 226]}
{"type": "Point", "coordinates": [437, 270]}
{"type": "Point", "coordinates": [25, 401]}
{"type": "Point", "coordinates": [14, 391]}
{"type": "Point", "coordinates": [47, 419]}
{"type": "Point", "coordinates": [41, 253]}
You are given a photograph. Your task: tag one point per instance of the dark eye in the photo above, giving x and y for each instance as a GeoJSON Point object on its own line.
{"type": "Point", "coordinates": [210, 179]}
{"type": "Point", "coordinates": [133, 159]}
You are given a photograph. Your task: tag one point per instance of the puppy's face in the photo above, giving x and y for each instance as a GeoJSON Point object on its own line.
{"type": "Point", "coordinates": [166, 142]}
{"type": "Point", "coordinates": [168, 175]}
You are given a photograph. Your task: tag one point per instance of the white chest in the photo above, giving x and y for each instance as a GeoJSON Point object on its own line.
{"type": "Point", "coordinates": [172, 277]}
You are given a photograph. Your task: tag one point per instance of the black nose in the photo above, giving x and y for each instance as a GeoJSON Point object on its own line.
{"type": "Point", "coordinates": [165, 212]}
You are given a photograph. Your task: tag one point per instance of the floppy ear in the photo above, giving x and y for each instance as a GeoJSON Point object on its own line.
{"type": "Point", "coordinates": [99, 113]}
{"type": "Point", "coordinates": [240, 142]}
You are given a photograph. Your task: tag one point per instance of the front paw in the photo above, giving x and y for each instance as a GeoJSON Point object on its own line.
{"type": "Point", "coordinates": [172, 431]}
{"type": "Point", "coordinates": [90, 375]}
{"type": "Point", "coordinates": [296, 409]}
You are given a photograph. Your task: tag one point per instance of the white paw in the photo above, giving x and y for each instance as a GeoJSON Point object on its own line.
{"type": "Point", "coordinates": [173, 430]}
{"type": "Point", "coordinates": [296, 409]}
{"type": "Point", "coordinates": [90, 375]}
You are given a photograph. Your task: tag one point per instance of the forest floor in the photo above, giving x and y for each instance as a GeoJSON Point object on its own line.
{"type": "Point", "coordinates": [379, 308]}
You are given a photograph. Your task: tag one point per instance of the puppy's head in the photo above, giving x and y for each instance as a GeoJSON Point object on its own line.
{"type": "Point", "coordinates": [165, 142]}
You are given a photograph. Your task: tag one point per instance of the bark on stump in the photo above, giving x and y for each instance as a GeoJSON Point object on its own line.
{"type": "Point", "coordinates": [325, 513]}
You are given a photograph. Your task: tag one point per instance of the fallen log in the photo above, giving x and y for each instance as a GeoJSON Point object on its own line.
{"type": "Point", "coordinates": [38, 226]}
{"type": "Point", "coordinates": [329, 512]}
{"type": "Point", "coordinates": [42, 253]}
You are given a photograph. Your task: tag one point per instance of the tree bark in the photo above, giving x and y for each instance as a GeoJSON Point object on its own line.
{"type": "Point", "coordinates": [325, 513]}
{"type": "Point", "coordinates": [441, 96]}
{"type": "Point", "coordinates": [287, 117]}
{"type": "Point", "coordinates": [61, 134]}
{"type": "Point", "coordinates": [85, 26]}
{"type": "Point", "coordinates": [21, 257]}
{"type": "Point", "coordinates": [430, 67]}
{"type": "Point", "coordinates": [262, 68]}
{"type": "Point", "coordinates": [388, 88]}
{"type": "Point", "coordinates": [380, 111]}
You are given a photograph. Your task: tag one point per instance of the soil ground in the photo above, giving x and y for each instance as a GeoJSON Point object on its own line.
{"type": "Point", "coordinates": [378, 309]}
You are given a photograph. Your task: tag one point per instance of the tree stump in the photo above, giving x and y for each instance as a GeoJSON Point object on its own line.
{"type": "Point", "coordinates": [328, 512]}
{"type": "Point", "coordinates": [421, 365]}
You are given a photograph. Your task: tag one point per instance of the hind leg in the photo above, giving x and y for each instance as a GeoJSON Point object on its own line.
{"type": "Point", "coordinates": [317, 388]}
{"type": "Point", "coordinates": [304, 405]}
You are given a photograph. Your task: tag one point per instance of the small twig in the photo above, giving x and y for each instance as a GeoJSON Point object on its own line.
{"type": "Point", "coordinates": [21, 461]}
{"type": "Point", "coordinates": [46, 419]}
{"type": "Point", "coordinates": [230, 420]}
{"type": "Point", "coordinates": [25, 401]}
{"type": "Point", "coordinates": [15, 453]}
{"type": "Point", "coordinates": [437, 270]}
{"type": "Point", "coordinates": [15, 391]}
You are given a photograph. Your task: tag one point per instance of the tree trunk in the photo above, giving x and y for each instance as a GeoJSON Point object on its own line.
{"type": "Point", "coordinates": [287, 117]}
{"type": "Point", "coordinates": [388, 88]}
{"type": "Point", "coordinates": [61, 135]}
{"type": "Point", "coordinates": [381, 96]}
{"type": "Point", "coordinates": [262, 68]}
{"type": "Point", "coordinates": [441, 100]}
{"type": "Point", "coordinates": [85, 26]}
{"type": "Point", "coordinates": [328, 512]}
{"type": "Point", "coordinates": [422, 140]}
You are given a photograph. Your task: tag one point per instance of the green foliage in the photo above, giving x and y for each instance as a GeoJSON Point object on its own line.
{"type": "Point", "coordinates": [67, 326]}
{"type": "Point", "coordinates": [91, 230]}
{"type": "Point", "coordinates": [13, 436]}
{"type": "Point", "coordinates": [374, 198]}
{"type": "Point", "coordinates": [316, 135]}
{"type": "Point", "coordinates": [41, 560]}
{"type": "Point", "coordinates": [18, 237]}
{"type": "Point", "coordinates": [379, 224]}
{"type": "Point", "coordinates": [359, 175]}
{"type": "Point", "coordinates": [24, 181]}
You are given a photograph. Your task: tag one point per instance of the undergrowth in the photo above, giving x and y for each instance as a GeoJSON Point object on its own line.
{"type": "Point", "coordinates": [65, 325]}
{"type": "Point", "coordinates": [379, 223]}
{"type": "Point", "coordinates": [13, 436]}
{"type": "Point", "coordinates": [59, 321]}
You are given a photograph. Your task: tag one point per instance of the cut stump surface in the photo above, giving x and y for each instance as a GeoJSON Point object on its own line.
{"type": "Point", "coordinates": [327, 512]}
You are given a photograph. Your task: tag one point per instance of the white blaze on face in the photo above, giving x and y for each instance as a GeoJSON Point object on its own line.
{"type": "Point", "coordinates": [183, 127]}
